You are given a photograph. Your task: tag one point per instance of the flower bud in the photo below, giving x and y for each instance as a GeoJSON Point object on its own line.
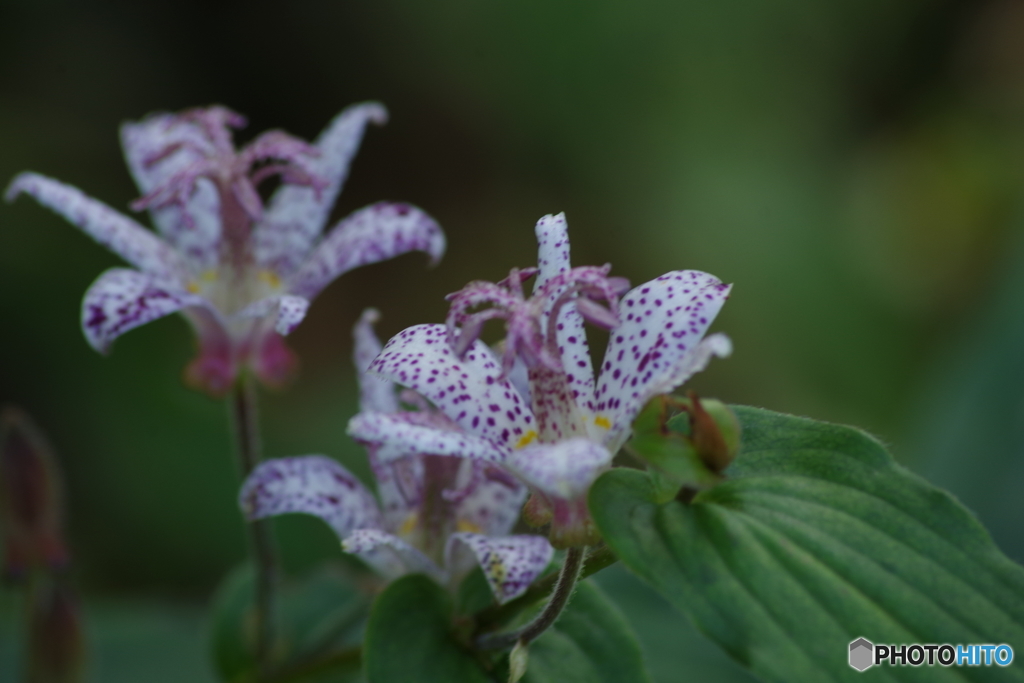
{"type": "Point", "coordinates": [30, 498]}
{"type": "Point", "coordinates": [714, 431]}
{"type": "Point", "coordinates": [56, 650]}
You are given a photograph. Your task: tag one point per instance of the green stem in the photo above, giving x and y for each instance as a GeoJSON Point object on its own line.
{"type": "Point", "coordinates": [247, 441]}
{"type": "Point", "coordinates": [597, 559]}
{"type": "Point", "coordinates": [564, 589]}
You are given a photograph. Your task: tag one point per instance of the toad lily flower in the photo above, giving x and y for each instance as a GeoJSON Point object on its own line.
{"type": "Point", "coordinates": [241, 273]}
{"type": "Point", "coordinates": [562, 430]}
{"type": "Point", "coordinates": [439, 513]}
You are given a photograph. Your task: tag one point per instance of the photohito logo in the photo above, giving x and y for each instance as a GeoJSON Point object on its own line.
{"type": "Point", "coordinates": [864, 654]}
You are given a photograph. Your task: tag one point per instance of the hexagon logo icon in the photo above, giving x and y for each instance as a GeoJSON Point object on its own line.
{"type": "Point", "coordinates": [861, 654]}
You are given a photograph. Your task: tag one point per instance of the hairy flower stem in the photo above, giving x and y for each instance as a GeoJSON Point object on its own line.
{"type": "Point", "coordinates": [247, 443]}
{"type": "Point", "coordinates": [564, 589]}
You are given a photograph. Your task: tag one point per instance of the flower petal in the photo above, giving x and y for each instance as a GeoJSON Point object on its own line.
{"type": "Point", "coordinates": [470, 392]}
{"type": "Point", "coordinates": [510, 563]}
{"type": "Point", "coordinates": [123, 236]}
{"type": "Point", "coordinates": [494, 504]}
{"type": "Point", "coordinates": [196, 235]}
{"type": "Point", "coordinates": [375, 394]}
{"type": "Point", "coordinates": [663, 321]}
{"type": "Point", "coordinates": [311, 484]}
{"type": "Point", "coordinates": [552, 259]}
{"type": "Point", "coordinates": [291, 310]}
{"type": "Point", "coordinates": [121, 299]}
{"type": "Point", "coordinates": [389, 555]}
{"type": "Point", "coordinates": [297, 214]}
{"type": "Point", "coordinates": [375, 233]}
{"type": "Point", "coordinates": [397, 437]}
{"type": "Point", "coordinates": [564, 469]}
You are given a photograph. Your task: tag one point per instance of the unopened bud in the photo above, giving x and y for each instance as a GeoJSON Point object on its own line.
{"type": "Point", "coordinates": [517, 661]}
{"type": "Point", "coordinates": [30, 498]}
{"type": "Point", "coordinates": [714, 431]}
{"type": "Point", "coordinates": [56, 650]}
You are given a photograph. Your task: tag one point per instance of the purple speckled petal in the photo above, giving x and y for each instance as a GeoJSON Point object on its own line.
{"type": "Point", "coordinates": [470, 391]}
{"type": "Point", "coordinates": [198, 235]}
{"type": "Point", "coordinates": [123, 236]}
{"type": "Point", "coordinates": [375, 233]}
{"type": "Point", "coordinates": [121, 299]}
{"type": "Point", "coordinates": [565, 469]}
{"type": "Point", "coordinates": [397, 437]}
{"type": "Point", "coordinates": [389, 555]}
{"type": "Point", "coordinates": [297, 214]}
{"type": "Point", "coordinates": [662, 321]}
{"type": "Point", "coordinates": [510, 563]}
{"type": "Point", "coordinates": [375, 394]}
{"type": "Point", "coordinates": [552, 259]}
{"type": "Point", "coordinates": [493, 505]}
{"type": "Point", "coordinates": [291, 310]}
{"type": "Point", "coordinates": [311, 484]}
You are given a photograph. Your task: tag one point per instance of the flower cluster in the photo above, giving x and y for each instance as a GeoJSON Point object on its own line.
{"type": "Point", "coordinates": [437, 514]}
{"type": "Point", "coordinates": [241, 273]}
{"type": "Point", "coordinates": [540, 411]}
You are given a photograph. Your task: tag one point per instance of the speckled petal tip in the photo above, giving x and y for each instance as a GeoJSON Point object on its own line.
{"type": "Point", "coordinates": [390, 555]}
{"type": "Point", "coordinates": [553, 259]}
{"type": "Point", "coordinates": [510, 563]}
{"type": "Point", "coordinates": [314, 485]}
{"type": "Point", "coordinates": [375, 394]}
{"type": "Point", "coordinates": [662, 321]}
{"type": "Point", "coordinates": [376, 233]}
{"type": "Point", "coordinates": [565, 469]}
{"type": "Point", "coordinates": [397, 436]}
{"type": "Point", "coordinates": [121, 299]}
{"type": "Point", "coordinates": [197, 234]}
{"type": "Point", "coordinates": [470, 391]}
{"type": "Point", "coordinates": [123, 236]}
{"type": "Point", "coordinates": [296, 215]}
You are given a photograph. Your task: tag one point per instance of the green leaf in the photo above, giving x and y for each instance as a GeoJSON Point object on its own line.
{"type": "Point", "coordinates": [590, 643]}
{"type": "Point", "coordinates": [818, 538]}
{"type": "Point", "coordinates": [409, 637]}
{"type": "Point", "coordinates": [315, 615]}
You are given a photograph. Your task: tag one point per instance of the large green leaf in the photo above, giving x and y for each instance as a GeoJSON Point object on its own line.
{"type": "Point", "coordinates": [818, 538]}
{"type": "Point", "coordinates": [409, 637]}
{"type": "Point", "coordinates": [590, 643]}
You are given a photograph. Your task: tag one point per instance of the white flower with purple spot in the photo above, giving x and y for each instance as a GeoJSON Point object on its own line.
{"type": "Point", "coordinates": [438, 514]}
{"type": "Point", "coordinates": [562, 431]}
{"type": "Point", "coordinates": [241, 273]}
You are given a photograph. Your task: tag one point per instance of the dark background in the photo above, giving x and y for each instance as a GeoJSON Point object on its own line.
{"type": "Point", "coordinates": [853, 166]}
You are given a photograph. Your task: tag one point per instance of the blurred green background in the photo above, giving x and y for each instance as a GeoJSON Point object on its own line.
{"type": "Point", "coordinates": [853, 166]}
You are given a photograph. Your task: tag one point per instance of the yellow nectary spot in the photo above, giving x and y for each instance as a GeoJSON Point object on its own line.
{"type": "Point", "coordinates": [210, 275]}
{"type": "Point", "coordinates": [271, 278]}
{"type": "Point", "coordinates": [408, 525]}
{"type": "Point", "coordinates": [526, 439]}
{"type": "Point", "coordinates": [193, 287]}
{"type": "Point", "coordinates": [466, 525]}
{"type": "Point", "coordinates": [602, 421]}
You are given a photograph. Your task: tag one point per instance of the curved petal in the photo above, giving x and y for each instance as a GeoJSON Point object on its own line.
{"type": "Point", "coordinates": [375, 394]}
{"type": "Point", "coordinates": [314, 485]}
{"type": "Point", "coordinates": [552, 259]}
{"type": "Point", "coordinates": [375, 233]}
{"type": "Point", "coordinates": [197, 235]}
{"type": "Point", "coordinates": [471, 392]}
{"type": "Point", "coordinates": [663, 321]}
{"type": "Point", "coordinates": [510, 563]}
{"type": "Point", "coordinates": [396, 436]}
{"type": "Point", "coordinates": [565, 469]}
{"type": "Point", "coordinates": [123, 236]}
{"type": "Point", "coordinates": [389, 555]}
{"type": "Point", "coordinates": [296, 214]}
{"type": "Point", "coordinates": [493, 506]}
{"type": "Point", "coordinates": [291, 310]}
{"type": "Point", "coordinates": [121, 299]}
